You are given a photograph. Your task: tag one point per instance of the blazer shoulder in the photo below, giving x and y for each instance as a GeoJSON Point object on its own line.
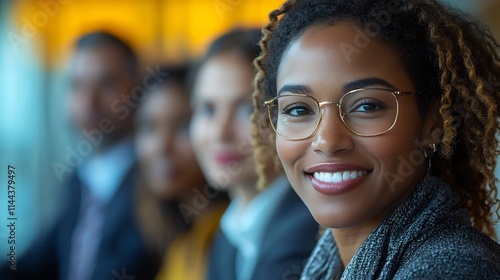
{"type": "Point", "coordinates": [459, 253]}
{"type": "Point", "coordinates": [290, 238]}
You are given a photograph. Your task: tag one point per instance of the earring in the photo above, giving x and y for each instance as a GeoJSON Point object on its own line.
{"type": "Point", "coordinates": [428, 153]}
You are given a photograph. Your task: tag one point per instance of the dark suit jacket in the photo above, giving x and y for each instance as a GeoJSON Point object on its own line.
{"type": "Point", "coordinates": [121, 252]}
{"type": "Point", "coordinates": [289, 240]}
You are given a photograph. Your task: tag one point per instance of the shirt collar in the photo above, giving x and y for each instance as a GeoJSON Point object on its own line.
{"type": "Point", "coordinates": [246, 228]}
{"type": "Point", "coordinates": [103, 173]}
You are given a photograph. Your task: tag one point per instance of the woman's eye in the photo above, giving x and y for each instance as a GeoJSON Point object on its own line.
{"type": "Point", "coordinates": [368, 106]}
{"type": "Point", "coordinates": [204, 110]}
{"type": "Point", "coordinates": [182, 126]}
{"type": "Point", "coordinates": [297, 110]}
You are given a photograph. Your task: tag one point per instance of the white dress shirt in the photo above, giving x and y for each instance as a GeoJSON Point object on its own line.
{"type": "Point", "coordinates": [245, 228]}
{"type": "Point", "coordinates": [103, 173]}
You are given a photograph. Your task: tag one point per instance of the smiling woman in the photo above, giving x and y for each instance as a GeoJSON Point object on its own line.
{"type": "Point", "coordinates": [334, 149]}
{"type": "Point", "coordinates": [360, 95]}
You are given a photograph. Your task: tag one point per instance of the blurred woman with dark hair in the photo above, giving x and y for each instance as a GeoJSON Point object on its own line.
{"type": "Point", "coordinates": [265, 234]}
{"type": "Point", "coordinates": [178, 212]}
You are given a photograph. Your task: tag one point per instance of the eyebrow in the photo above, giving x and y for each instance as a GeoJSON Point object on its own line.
{"type": "Point", "coordinates": [297, 89]}
{"type": "Point", "coordinates": [357, 84]}
{"type": "Point", "coordinates": [363, 83]}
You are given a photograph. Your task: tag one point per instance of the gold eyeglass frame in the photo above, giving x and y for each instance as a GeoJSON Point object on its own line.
{"type": "Point", "coordinates": [395, 94]}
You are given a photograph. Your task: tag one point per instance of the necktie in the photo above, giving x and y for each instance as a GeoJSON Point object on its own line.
{"type": "Point", "coordinates": [86, 237]}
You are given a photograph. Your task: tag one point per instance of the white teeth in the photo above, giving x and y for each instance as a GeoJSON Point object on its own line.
{"type": "Point", "coordinates": [337, 177]}
{"type": "Point", "coordinates": [328, 176]}
{"type": "Point", "coordinates": [346, 175]}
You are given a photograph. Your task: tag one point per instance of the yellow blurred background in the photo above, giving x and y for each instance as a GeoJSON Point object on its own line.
{"type": "Point", "coordinates": [164, 30]}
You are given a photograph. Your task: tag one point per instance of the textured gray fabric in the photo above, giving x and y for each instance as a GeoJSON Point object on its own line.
{"type": "Point", "coordinates": [428, 236]}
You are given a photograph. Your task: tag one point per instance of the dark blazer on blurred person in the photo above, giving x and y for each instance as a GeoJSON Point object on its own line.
{"type": "Point", "coordinates": [289, 239]}
{"type": "Point", "coordinates": [121, 252]}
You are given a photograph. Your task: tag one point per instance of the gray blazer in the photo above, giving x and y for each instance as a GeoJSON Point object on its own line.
{"type": "Point", "coordinates": [428, 236]}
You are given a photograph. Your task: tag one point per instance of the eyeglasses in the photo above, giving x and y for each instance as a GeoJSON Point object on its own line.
{"type": "Point", "coordinates": [365, 112]}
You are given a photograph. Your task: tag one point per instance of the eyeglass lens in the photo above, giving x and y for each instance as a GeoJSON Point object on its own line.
{"type": "Point", "coordinates": [365, 112]}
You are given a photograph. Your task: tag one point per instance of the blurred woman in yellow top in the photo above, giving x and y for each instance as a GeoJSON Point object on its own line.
{"type": "Point", "coordinates": [178, 212]}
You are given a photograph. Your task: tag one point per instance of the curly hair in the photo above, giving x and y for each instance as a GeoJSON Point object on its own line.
{"type": "Point", "coordinates": [451, 59]}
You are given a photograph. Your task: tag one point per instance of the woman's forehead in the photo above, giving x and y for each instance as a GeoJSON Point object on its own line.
{"type": "Point", "coordinates": [330, 55]}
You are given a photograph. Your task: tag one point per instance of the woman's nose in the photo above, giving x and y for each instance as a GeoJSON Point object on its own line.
{"type": "Point", "coordinates": [223, 127]}
{"type": "Point", "coordinates": [332, 135]}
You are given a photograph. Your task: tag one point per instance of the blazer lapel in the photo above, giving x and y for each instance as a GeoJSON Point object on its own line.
{"type": "Point", "coordinates": [222, 263]}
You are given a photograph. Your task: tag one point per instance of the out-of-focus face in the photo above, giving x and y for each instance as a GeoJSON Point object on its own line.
{"type": "Point", "coordinates": [220, 128]}
{"type": "Point", "coordinates": [100, 88]}
{"type": "Point", "coordinates": [348, 180]}
{"type": "Point", "coordinates": [165, 153]}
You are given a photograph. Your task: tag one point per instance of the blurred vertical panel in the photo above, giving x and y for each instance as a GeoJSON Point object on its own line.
{"type": "Point", "coordinates": [23, 114]}
{"type": "Point", "coordinates": [4, 123]}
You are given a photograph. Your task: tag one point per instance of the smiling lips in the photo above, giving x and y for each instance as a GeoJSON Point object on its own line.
{"type": "Point", "coordinates": [224, 158]}
{"type": "Point", "coordinates": [335, 178]}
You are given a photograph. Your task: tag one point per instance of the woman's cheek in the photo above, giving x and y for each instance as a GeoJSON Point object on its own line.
{"type": "Point", "coordinates": [145, 147]}
{"type": "Point", "coordinates": [291, 154]}
{"type": "Point", "coordinates": [196, 133]}
{"type": "Point", "coordinates": [394, 159]}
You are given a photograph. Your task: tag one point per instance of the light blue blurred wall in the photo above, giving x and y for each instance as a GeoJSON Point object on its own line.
{"type": "Point", "coordinates": [27, 94]}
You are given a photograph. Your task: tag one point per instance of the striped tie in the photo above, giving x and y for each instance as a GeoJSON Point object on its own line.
{"type": "Point", "coordinates": [86, 237]}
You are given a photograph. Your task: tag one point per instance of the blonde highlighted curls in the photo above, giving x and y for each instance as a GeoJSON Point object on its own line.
{"type": "Point", "coordinates": [470, 72]}
{"type": "Point", "coordinates": [464, 70]}
{"type": "Point", "coordinates": [262, 133]}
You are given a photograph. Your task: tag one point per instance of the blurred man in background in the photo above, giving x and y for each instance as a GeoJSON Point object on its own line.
{"type": "Point", "coordinates": [95, 236]}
